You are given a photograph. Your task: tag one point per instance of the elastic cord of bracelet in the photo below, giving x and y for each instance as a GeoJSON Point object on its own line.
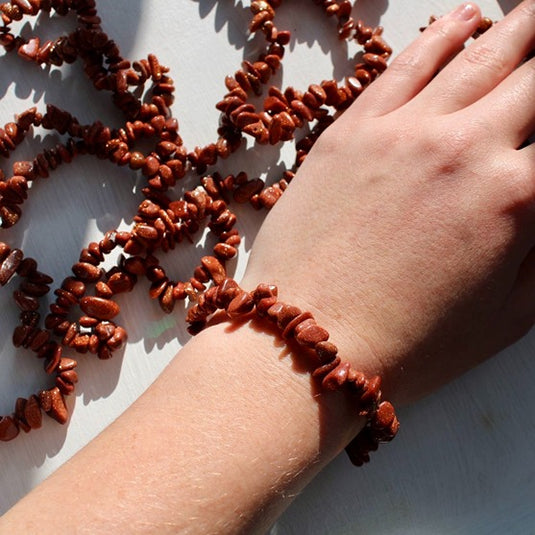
{"type": "Point", "coordinates": [331, 372]}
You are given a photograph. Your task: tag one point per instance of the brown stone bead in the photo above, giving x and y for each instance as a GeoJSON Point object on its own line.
{"type": "Point", "coordinates": [240, 305]}
{"type": "Point", "coordinates": [10, 265]}
{"type": "Point", "coordinates": [54, 358]}
{"type": "Point", "coordinates": [151, 166]}
{"type": "Point", "coordinates": [32, 412]}
{"type": "Point", "coordinates": [45, 400]}
{"type": "Point", "coordinates": [39, 339]}
{"type": "Point", "coordinates": [64, 298]}
{"type": "Point", "coordinates": [94, 250]}
{"type": "Point", "coordinates": [80, 343]}
{"type": "Point", "coordinates": [133, 246]}
{"type": "Point", "coordinates": [319, 93]}
{"type": "Point", "coordinates": [61, 329]}
{"type": "Point", "coordinates": [146, 232]}
{"type": "Point", "coordinates": [72, 331]}
{"type": "Point", "coordinates": [87, 272]}
{"type": "Point", "coordinates": [245, 118]}
{"type": "Point", "coordinates": [66, 363]}
{"type": "Point", "coordinates": [484, 25]}
{"type": "Point", "coordinates": [167, 302]}
{"type": "Point", "coordinates": [274, 310]}
{"type": "Point", "coordinates": [375, 61]}
{"type": "Point", "coordinates": [74, 286]}
{"type": "Point", "coordinates": [321, 371]}
{"type": "Point", "coordinates": [58, 409]}
{"type": "Point", "coordinates": [215, 268]}
{"type": "Point", "coordinates": [293, 323]}
{"type": "Point", "coordinates": [9, 215]}
{"type": "Point", "coordinates": [264, 305]}
{"type": "Point", "coordinates": [20, 334]}
{"type": "Point", "coordinates": [107, 244]}
{"type": "Point", "coordinates": [179, 291]}
{"type": "Point", "coordinates": [372, 390]}
{"type": "Point", "coordinates": [4, 251]}
{"type": "Point", "coordinates": [354, 85]}
{"type": "Point", "coordinates": [104, 330]}
{"type": "Point", "coordinates": [25, 302]}
{"type": "Point", "coordinates": [201, 274]}
{"type": "Point", "coordinates": [121, 282]}
{"type": "Point", "coordinates": [98, 307]}
{"type": "Point", "coordinates": [384, 416]}
{"type": "Point", "coordinates": [309, 333]}
{"type": "Point", "coordinates": [87, 322]}
{"type": "Point", "coordinates": [274, 104]}
{"type": "Point", "coordinates": [137, 160]}
{"type": "Point", "coordinates": [104, 352]}
{"type": "Point", "coordinates": [64, 387]}
{"type": "Point", "coordinates": [302, 110]}
{"type": "Point", "coordinates": [30, 49]}
{"type": "Point", "coordinates": [269, 197]}
{"type": "Point", "coordinates": [158, 287]}
{"type": "Point", "coordinates": [265, 290]}
{"type": "Point", "coordinates": [244, 192]}
{"type": "Point", "coordinates": [103, 290]}
{"type": "Point", "coordinates": [26, 267]}
{"type": "Point", "coordinates": [94, 344]}
{"type": "Point", "coordinates": [377, 45]}
{"type": "Point", "coordinates": [34, 289]}
{"type": "Point", "coordinates": [59, 310]}
{"type": "Point", "coordinates": [286, 314]}
{"type": "Point", "coordinates": [118, 339]}
{"type": "Point", "coordinates": [326, 351]}
{"type": "Point", "coordinates": [135, 265]}
{"type": "Point", "coordinates": [337, 377]}
{"type": "Point", "coordinates": [259, 132]}
{"type": "Point", "coordinates": [197, 284]}
{"type": "Point", "coordinates": [69, 376]}
{"type": "Point", "coordinates": [224, 251]}
{"type": "Point", "coordinates": [8, 428]}
{"type": "Point", "coordinates": [344, 9]}
{"type": "Point", "coordinates": [148, 210]}
{"type": "Point", "coordinates": [363, 76]}
{"type": "Point", "coordinates": [20, 403]}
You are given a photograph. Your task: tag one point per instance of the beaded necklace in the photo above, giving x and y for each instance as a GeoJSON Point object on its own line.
{"type": "Point", "coordinates": [162, 221]}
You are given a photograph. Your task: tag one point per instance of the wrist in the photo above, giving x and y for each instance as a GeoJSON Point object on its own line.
{"type": "Point", "coordinates": [352, 325]}
{"type": "Point", "coordinates": [307, 339]}
{"type": "Point", "coordinates": [277, 382]}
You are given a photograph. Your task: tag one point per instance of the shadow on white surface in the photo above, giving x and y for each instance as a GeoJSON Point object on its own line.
{"type": "Point", "coordinates": [462, 464]}
{"type": "Point", "coordinates": [464, 461]}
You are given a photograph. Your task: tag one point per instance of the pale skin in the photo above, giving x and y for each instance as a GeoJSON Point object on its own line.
{"type": "Point", "coordinates": [407, 232]}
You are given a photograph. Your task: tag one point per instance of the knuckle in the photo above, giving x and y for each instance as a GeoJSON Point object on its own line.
{"type": "Point", "coordinates": [528, 9]}
{"type": "Point", "coordinates": [407, 64]}
{"type": "Point", "coordinates": [446, 30]}
{"type": "Point", "coordinates": [483, 56]}
{"type": "Point", "coordinates": [451, 149]}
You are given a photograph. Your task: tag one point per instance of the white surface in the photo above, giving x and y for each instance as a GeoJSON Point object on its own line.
{"type": "Point", "coordinates": [464, 460]}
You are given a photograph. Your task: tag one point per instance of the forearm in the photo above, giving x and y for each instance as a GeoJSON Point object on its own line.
{"type": "Point", "coordinates": [218, 444]}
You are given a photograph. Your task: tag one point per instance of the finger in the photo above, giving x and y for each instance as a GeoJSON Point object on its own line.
{"type": "Point", "coordinates": [413, 68]}
{"type": "Point", "coordinates": [485, 63]}
{"type": "Point", "coordinates": [513, 112]}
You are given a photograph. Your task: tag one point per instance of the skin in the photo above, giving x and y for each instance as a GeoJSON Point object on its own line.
{"type": "Point", "coordinates": [418, 261]}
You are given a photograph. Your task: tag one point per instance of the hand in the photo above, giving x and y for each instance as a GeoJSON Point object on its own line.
{"type": "Point", "coordinates": [408, 229]}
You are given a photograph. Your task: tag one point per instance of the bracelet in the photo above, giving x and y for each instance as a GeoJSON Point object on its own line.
{"type": "Point", "coordinates": [331, 372]}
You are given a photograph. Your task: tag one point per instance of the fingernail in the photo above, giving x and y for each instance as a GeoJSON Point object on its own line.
{"type": "Point", "coordinates": [465, 12]}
